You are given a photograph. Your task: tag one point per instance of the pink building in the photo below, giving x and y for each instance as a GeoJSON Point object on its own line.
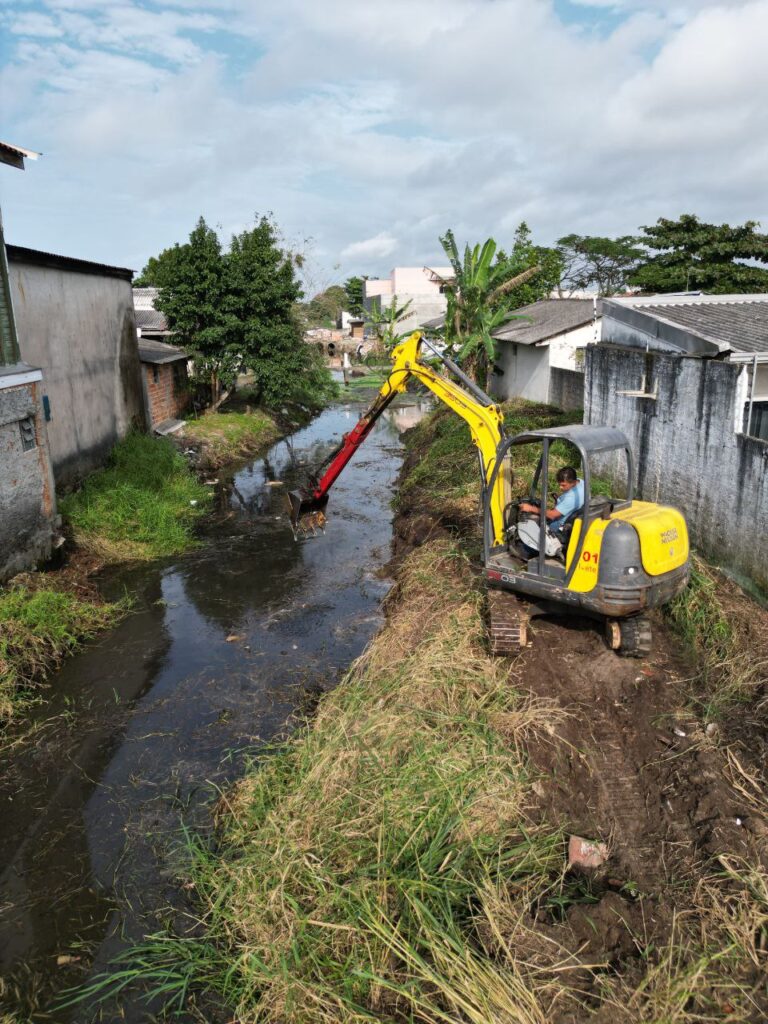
{"type": "Point", "coordinates": [420, 285]}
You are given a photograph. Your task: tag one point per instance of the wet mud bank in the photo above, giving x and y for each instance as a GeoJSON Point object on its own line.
{"type": "Point", "coordinates": [145, 729]}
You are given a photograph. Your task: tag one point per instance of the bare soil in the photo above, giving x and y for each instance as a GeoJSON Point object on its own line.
{"type": "Point", "coordinates": [633, 765]}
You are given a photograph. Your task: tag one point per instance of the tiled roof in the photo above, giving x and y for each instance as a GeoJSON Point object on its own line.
{"type": "Point", "coordinates": [546, 319]}
{"type": "Point", "coordinates": [739, 321]}
{"type": "Point", "coordinates": [151, 320]}
{"type": "Point", "coordinates": [159, 352]}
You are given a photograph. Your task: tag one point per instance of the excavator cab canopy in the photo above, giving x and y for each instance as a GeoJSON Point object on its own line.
{"type": "Point", "coordinates": [593, 443]}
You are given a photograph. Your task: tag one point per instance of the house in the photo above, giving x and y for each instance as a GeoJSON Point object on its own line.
{"type": "Point", "coordinates": [165, 383]}
{"type": "Point", "coordinates": [27, 498]}
{"type": "Point", "coordinates": [421, 286]}
{"type": "Point", "coordinates": [75, 320]}
{"type": "Point", "coordinates": [540, 356]}
{"type": "Point", "coordinates": [150, 322]}
{"type": "Point", "coordinates": [684, 376]}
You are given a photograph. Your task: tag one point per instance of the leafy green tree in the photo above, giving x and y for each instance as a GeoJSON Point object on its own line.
{"type": "Point", "coordinates": [324, 309]}
{"type": "Point", "coordinates": [385, 322]}
{"type": "Point", "coordinates": [524, 255]}
{"type": "Point", "coordinates": [191, 279]}
{"type": "Point", "coordinates": [353, 288]}
{"type": "Point", "coordinates": [480, 295]}
{"type": "Point", "coordinates": [690, 254]}
{"type": "Point", "coordinates": [597, 263]}
{"type": "Point", "coordinates": [262, 290]}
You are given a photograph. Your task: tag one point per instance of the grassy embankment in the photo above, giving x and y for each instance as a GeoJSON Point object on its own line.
{"type": "Point", "coordinates": [384, 864]}
{"type": "Point", "coordinates": [231, 434]}
{"type": "Point", "coordinates": [39, 626]}
{"type": "Point", "coordinates": [143, 505]}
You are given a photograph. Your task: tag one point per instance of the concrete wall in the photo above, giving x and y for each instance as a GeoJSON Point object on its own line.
{"type": "Point", "coordinates": [526, 372]}
{"type": "Point", "coordinates": [80, 329]}
{"type": "Point", "coordinates": [27, 507]}
{"type": "Point", "coordinates": [688, 446]}
{"type": "Point", "coordinates": [566, 388]}
{"type": "Point", "coordinates": [166, 400]}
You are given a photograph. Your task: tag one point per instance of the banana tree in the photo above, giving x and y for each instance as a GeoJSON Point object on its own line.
{"type": "Point", "coordinates": [386, 320]}
{"type": "Point", "coordinates": [479, 300]}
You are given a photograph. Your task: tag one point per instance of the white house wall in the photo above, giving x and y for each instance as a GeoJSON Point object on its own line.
{"type": "Point", "coordinates": [563, 348]}
{"type": "Point", "coordinates": [525, 373]}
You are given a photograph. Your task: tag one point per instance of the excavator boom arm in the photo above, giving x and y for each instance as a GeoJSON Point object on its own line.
{"type": "Point", "coordinates": [484, 418]}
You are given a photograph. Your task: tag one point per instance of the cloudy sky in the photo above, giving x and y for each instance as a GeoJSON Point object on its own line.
{"type": "Point", "coordinates": [372, 127]}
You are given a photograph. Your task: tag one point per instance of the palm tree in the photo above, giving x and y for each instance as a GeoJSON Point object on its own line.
{"type": "Point", "coordinates": [479, 301]}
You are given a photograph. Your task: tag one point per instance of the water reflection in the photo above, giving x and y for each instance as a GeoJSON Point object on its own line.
{"type": "Point", "coordinates": [144, 725]}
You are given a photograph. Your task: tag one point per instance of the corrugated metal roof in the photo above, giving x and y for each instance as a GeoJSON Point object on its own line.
{"type": "Point", "coordinates": [20, 254]}
{"type": "Point", "coordinates": [150, 320]}
{"type": "Point", "coordinates": [730, 323]}
{"type": "Point", "coordinates": [151, 351]}
{"type": "Point", "coordinates": [15, 155]}
{"type": "Point", "coordinates": [546, 319]}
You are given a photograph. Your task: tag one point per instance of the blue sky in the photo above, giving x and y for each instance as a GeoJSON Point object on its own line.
{"type": "Point", "coordinates": [368, 129]}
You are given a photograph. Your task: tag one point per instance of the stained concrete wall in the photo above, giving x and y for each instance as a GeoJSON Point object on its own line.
{"type": "Point", "coordinates": [688, 446]}
{"type": "Point", "coordinates": [27, 507]}
{"type": "Point", "coordinates": [566, 388]}
{"type": "Point", "coordinates": [80, 329]}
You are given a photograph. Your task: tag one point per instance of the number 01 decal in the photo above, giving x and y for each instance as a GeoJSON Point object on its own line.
{"type": "Point", "coordinates": [590, 556]}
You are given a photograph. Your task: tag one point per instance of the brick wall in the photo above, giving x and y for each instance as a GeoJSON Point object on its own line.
{"type": "Point", "coordinates": [167, 398]}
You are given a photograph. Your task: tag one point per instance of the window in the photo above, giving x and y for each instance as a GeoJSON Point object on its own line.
{"type": "Point", "coordinates": [28, 436]}
{"type": "Point", "coordinates": [758, 425]}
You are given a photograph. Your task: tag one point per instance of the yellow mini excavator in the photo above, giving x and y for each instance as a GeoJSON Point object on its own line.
{"type": "Point", "coordinates": [617, 558]}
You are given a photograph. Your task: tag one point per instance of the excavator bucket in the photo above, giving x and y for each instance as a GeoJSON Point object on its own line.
{"type": "Point", "coordinates": [306, 512]}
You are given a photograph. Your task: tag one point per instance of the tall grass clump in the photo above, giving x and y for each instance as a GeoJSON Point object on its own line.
{"type": "Point", "coordinates": [717, 631]}
{"type": "Point", "coordinates": [375, 867]}
{"type": "Point", "coordinates": [143, 505]}
{"type": "Point", "coordinates": [38, 629]}
{"type": "Point", "coordinates": [230, 435]}
{"type": "Point", "coordinates": [445, 480]}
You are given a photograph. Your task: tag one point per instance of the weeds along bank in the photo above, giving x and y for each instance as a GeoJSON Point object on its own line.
{"type": "Point", "coordinates": [144, 505]}
{"type": "Point", "coordinates": [404, 856]}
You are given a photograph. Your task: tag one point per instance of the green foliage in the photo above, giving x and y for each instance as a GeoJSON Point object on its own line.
{"type": "Point", "coordinates": [325, 308]}
{"type": "Point", "coordinates": [353, 288]}
{"type": "Point", "coordinates": [142, 506]}
{"type": "Point", "coordinates": [597, 263]}
{"type": "Point", "coordinates": [229, 435]}
{"type": "Point", "coordinates": [480, 295]}
{"type": "Point", "coordinates": [191, 278]}
{"type": "Point", "coordinates": [525, 255]}
{"type": "Point", "coordinates": [385, 322]}
{"type": "Point", "coordinates": [39, 627]}
{"type": "Point", "coordinates": [690, 254]}
{"type": "Point", "coordinates": [238, 308]}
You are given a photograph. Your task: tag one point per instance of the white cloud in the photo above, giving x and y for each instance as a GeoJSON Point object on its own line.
{"type": "Point", "coordinates": [373, 129]}
{"type": "Point", "coordinates": [374, 248]}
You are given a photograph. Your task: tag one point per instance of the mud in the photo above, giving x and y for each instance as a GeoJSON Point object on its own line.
{"type": "Point", "coordinates": [634, 766]}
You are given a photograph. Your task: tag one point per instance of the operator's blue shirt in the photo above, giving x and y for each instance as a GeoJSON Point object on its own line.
{"type": "Point", "coordinates": [569, 502]}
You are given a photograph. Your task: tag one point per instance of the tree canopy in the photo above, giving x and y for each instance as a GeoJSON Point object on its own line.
{"type": "Point", "coordinates": [688, 253]}
{"type": "Point", "coordinates": [593, 262]}
{"type": "Point", "coordinates": [481, 294]}
{"type": "Point", "coordinates": [353, 288]}
{"type": "Point", "coordinates": [235, 309]}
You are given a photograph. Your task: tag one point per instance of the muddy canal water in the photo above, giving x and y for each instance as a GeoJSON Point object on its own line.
{"type": "Point", "coordinates": [143, 730]}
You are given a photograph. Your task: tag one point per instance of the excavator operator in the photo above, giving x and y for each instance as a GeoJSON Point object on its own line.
{"type": "Point", "coordinates": [570, 502]}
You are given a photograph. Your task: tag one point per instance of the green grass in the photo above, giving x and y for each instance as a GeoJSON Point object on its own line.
{"type": "Point", "coordinates": [227, 436]}
{"type": "Point", "coordinates": [717, 634]}
{"type": "Point", "coordinates": [143, 505]}
{"type": "Point", "coordinates": [371, 380]}
{"type": "Point", "coordinates": [446, 477]}
{"type": "Point", "coordinates": [38, 629]}
{"type": "Point", "coordinates": [365, 867]}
